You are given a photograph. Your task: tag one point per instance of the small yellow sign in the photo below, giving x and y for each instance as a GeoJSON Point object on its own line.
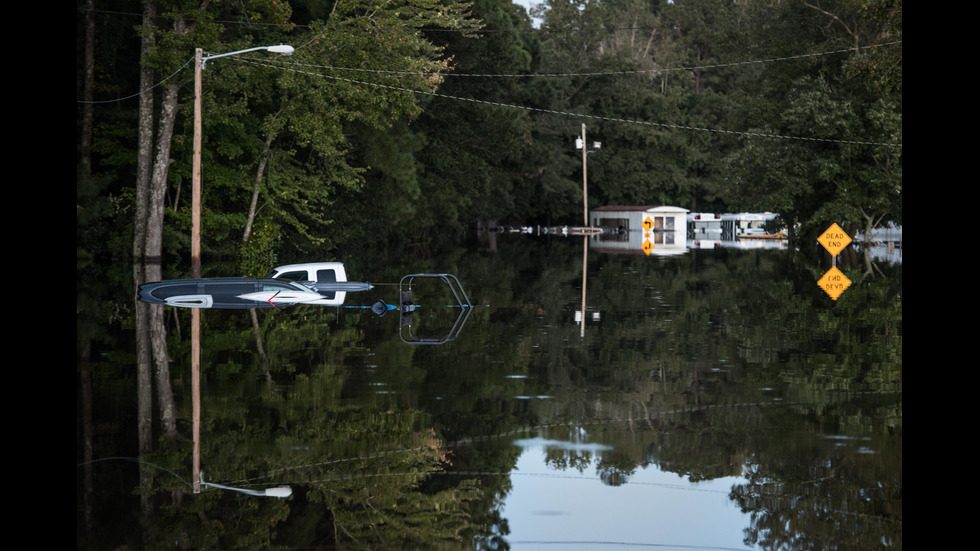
{"type": "Point", "coordinates": [834, 283]}
{"type": "Point", "coordinates": [647, 247]}
{"type": "Point", "coordinates": [834, 240]}
{"type": "Point", "coordinates": [648, 224]}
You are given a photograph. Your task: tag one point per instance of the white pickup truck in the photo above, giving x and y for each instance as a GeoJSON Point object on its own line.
{"type": "Point", "coordinates": [330, 279]}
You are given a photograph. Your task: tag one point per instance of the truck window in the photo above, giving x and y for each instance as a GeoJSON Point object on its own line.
{"type": "Point", "coordinates": [294, 276]}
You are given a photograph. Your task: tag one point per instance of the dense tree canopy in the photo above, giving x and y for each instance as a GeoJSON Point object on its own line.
{"type": "Point", "coordinates": [402, 122]}
{"type": "Point", "coordinates": [413, 119]}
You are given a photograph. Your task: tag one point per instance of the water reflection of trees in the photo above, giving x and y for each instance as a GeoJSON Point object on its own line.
{"type": "Point", "coordinates": [709, 365]}
{"type": "Point", "coordinates": [710, 354]}
{"type": "Point", "coordinates": [808, 489]}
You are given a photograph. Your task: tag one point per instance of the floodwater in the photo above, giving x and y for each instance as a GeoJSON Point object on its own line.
{"type": "Point", "coordinates": [714, 399]}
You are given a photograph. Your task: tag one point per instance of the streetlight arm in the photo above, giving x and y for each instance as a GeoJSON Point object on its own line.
{"type": "Point", "coordinates": [283, 49]}
{"type": "Point", "coordinates": [279, 491]}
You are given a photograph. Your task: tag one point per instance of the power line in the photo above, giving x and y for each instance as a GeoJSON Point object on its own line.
{"type": "Point", "coordinates": [533, 75]}
{"type": "Point", "coordinates": [581, 115]}
{"type": "Point", "coordinates": [605, 73]}
{"type": "Point", "coordinates": [285, 66]}
{"type": "Point", "coordinates": [137, 94]}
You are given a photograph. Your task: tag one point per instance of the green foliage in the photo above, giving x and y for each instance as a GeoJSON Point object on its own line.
{"type": "Point", "coordinates": [700, 365]}
{"type": "Point", "coordinates": [258, 254]}
{"type": "Point", "coordinates": [708, 104]}
{"type": "Point", "coordinates": [474, 164]}
{"type": "Point", "coordinates": [842, 112]}
{"type": "Point", "coordinates": [360, 160]}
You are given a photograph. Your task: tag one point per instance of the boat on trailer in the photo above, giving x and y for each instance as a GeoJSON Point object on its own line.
{"type": "Point", "coordinates": [319, 283]}
{"type": "Point", "coordinates": [228, 292]}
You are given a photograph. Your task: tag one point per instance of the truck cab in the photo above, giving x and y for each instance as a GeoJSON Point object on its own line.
{"type": "Point", "coordinates": [317, 272]}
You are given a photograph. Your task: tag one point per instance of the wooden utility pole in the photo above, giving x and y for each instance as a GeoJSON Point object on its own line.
{"type": "Point", "coordinates": [196, 170]}
{"type": "Point", "coordinates": [195, 273]}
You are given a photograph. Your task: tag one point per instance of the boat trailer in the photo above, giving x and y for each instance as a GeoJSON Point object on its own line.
{"type": "Point", "coordinates": [406, 308]}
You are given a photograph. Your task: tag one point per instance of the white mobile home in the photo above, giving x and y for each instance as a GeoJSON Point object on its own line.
{"type": "Point", "coordinates": [703, 225]}
{"type": "Point", "coordinates": [743, 223]}
{"type": "Point", "coordinates": [653, 230]}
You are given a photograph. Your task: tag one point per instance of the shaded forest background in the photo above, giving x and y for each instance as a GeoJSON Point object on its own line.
{"type": "Point", "coordinates": [405, 123]}
{"type": "Point", "coordinates": [398, 126]}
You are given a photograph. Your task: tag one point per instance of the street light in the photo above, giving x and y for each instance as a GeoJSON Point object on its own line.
{"type": "Point", "coordinates": [278, 491]}
{"type": "Point", "coordinates": [199, 59]}
{"type": "Point", "coordinates": [283, 49]}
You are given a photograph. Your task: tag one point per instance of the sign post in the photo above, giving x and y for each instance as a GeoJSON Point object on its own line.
{"type": "Point", "coordinates": [647, 229]}
{"type": "Point", "coordinates": [834, 282]}
{"type": "Point", "coordinates": [835, 240]}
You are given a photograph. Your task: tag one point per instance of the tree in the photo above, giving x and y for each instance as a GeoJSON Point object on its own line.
{"type": "Point", "coordinates": [474, 163]}
{"type": "Point", "coordinates": [347, 91]}
{"type": "Point", "coordinates": [625, 62]}
{"type": "Point", "coordinates": [835, 120]}
{"type": "Point", "coordinates": [317, 120]}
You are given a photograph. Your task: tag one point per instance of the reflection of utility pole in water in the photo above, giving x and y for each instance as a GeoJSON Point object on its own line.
{"type": "Point", "coordinates": [585, 258]}
{"type": "Point", "coordinates": [580, 314]}
{"type": "Point", "coordinates": [196, 396]}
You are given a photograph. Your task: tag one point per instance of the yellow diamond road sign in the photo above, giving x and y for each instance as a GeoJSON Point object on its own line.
{"type": "Point", "coordinates": [647, 247]}
{"type": "Point", "coordinates": [648, 224]}
{"type": "Point", "coordinates": [834, 282]}
{"type": "Point", "coordinates": [834, 240]}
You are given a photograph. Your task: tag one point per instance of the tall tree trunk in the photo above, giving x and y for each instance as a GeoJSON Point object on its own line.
{"type": "Point", "coordinates": [148, 248]}
{"type": "Point", "coordinates": [144, 385]}
{"type": "Point", "coordinates": [256, 190]}
{"type": "Point", "coordinates": [151, 185]}
{"type": "Point", "coordinates": [88, 435]}
{"type": "Point", "coordinates": [87, 107]}
{"type": "Point", "coordinates": [154, 247]}
{"type": "Point", "coordinates": [257, 331]}
{"type": "Point", "coordinates": [869, 224]}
